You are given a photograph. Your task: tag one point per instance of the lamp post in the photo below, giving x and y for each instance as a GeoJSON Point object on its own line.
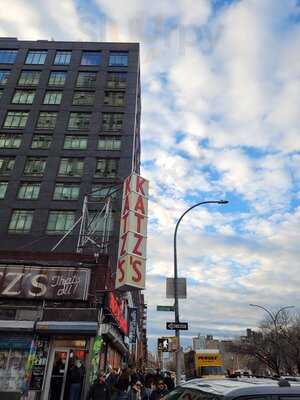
{"type": "Point", "coordinates": [274, 320]}
{"type": "Point", "coordinates": [176, 304]}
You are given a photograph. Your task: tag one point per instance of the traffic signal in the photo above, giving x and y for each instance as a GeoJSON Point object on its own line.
{"type": "Point", "coordinates": [163, 344]}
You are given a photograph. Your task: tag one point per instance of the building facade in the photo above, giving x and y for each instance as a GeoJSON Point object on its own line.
{"type": "Point", "coordinates": [70, 134]}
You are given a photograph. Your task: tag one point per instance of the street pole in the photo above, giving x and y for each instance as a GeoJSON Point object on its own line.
{"type": "Point", "coordinates": [274, 320]}
{"type": "Point", "coordinates": [176, 303]}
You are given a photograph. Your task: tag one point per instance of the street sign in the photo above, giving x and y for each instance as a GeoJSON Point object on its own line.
{"type": "Point", "coordinates": [181, 288]}
{"type": "Point", "coordinates": [183, 326]}
{"type": "Point", "coordinates": [165, 308]}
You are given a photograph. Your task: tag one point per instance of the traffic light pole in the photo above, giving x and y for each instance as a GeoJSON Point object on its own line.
{"type": "Point", "coordinates": [176, 303]}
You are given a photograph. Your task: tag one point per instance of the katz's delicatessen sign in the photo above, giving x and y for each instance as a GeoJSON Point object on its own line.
{"type": "Point", "coordinates": [131, 269]}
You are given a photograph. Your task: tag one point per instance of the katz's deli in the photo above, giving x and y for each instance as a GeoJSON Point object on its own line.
{"type": "Point", "coordinates": [131, 268]}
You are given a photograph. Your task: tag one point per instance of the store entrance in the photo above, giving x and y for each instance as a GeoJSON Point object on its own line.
{"type": "Point", "coordinates": [65, 375]}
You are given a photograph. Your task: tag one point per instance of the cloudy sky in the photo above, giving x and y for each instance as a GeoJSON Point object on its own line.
{"type": "Point", "coordinates": [220, 120]}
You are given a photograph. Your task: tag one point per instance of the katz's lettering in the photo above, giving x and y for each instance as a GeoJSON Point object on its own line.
{"type": "Point", "coordinates": [133, 234]}
{"type": "Point", "coordinates": [43, 282]}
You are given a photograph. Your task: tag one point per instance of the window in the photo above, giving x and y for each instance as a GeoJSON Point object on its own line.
{"type": "Point", "coordinates": [8, 56]}
{"type": "Point", "coordinates": [65, 191]}
{"type": "Point", "coordinates": [47, 120]}
{"type": "Point", "coordinates": [29, 78]}
{"type": "Point", "coordinates": [75, 142]}
{"type": "Point", "coordinates": [20, 221]}
{"type": "Point", "coordinates": [35, 166]}
{"type": "Point", "coordinates": [106, 168]}
{"type": "Point", "coordinates": [4, 75]}
{"type": "Point", "coordinates": [86, 79]}
{"type": "Point", "coordinates": [114, 99]}
{"type": "Point", "coordinates": [97, 222]}
{"type": "Point", "coordinates": [23, 97]}
{"type": "Point", "coordinates": [83, 98]}
{"type": "Point", "coordinates": [59, 222]}
{"type": "Point", "coordinates": [62, 58]}
{"type": "Point", "coordinates": [6, 165]}
{"type": "Point", "coordinates": [118, 59]}
{"type": "Point", "coordinates": [8, 141]}
{"type": "Point", "coordinates": [52, 97]}
{"type": "Point", "coordinates": [57, 78]}
{"type": "Point", "coordinates": [41, 142]}
{"type": "Point", "coordinates": [90, 58]}
{"type": "Point", "coordinates": [36, 57]}
{"type": "Point", "coordinates": [3, 187]}
{"type": "Point", "coordinates": [109, 143]}
{"type": "Point", "coordinates": [29, 190]}
{"type": "Point", "coordinates": [16, 119]}
{"type": "Point", "coordinates": [99, 192]}
{"type": "Point", "coordinates": [116, 80]}
{"type": "Point", "coordinates": [112, 121]}
{"type": "Point", "coordinates": [71, 167]}
{"type": "Point", "coordinates": [79, 121]}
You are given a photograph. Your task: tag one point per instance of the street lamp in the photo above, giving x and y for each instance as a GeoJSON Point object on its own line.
{"type": "Point", "coordinates": [176, 305]}
{"type": "Point", "coordinates": [274, 320]}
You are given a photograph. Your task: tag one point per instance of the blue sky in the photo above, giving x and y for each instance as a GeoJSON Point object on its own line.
{"type": "Point", "coordinates": [220, 120]}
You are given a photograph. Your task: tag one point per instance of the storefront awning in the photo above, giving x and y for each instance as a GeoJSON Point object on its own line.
{"type": "Point", "coordinates": [110, 333]}
{"type": "Point", "coordinates": [82, 327]}
{"type": "Point", "coordinates": [16, 326]}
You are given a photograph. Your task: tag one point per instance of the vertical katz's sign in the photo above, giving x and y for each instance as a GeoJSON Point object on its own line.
{"type": "Point", "coordinates": [131, 269]}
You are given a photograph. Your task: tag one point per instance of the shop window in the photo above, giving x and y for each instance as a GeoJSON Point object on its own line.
{"type": "Point", "coordinates": [29, 191]}
{"type": "Point", "coordinates": [12, 364]}
{"type": "Point", "coordinates": [8, 56]}
{"type": "Point", "coordinates": [35, 166]}
{"type": "Point", "coordinates": [20, 221]}
{"type": "Point", "coordinates": [8, 141]}
{"type": "Point", "coordinates": [118, 59]}
{"type": "Point", "coordinates": [6, 165]}
{"type": "Point", "coordinates": [65, 191]}
{"type": "Point", "coordinates": [114, 99]}
{"type": "Point", "coordinates": [16, 119]}
{"type": "Point", "coordinates": [116, 80]}
{"type": "Point", "coordinates": [57, 78]}
{"type": "Point", "coordinates": [36, 57]}
{"type": "Point", "coordinates": [112, 121]}
{"type": "Point", "coordinates": [86, 80]}
{"type": "Point", "coordinates": [47, 120]}
{"type": "Point", "coordinates": [52, 97]}
{"type": "Point", "coordinates": [23, 97]}
{"type": "Point", "coordinates": [59, 222]}
{"type": "Point", "coordinates": [41, 142]}
{"type": "Point", "coordinates": [83, 98]}
{"type": "Point", "coordinates": [73, 142]}
{"type": "Point", "coordinates": [29, 78]}
{"type": "Point", "coordinates": [109, 143]}
{"type": "Point", "coordinates": [71, 167]}
{"type": "Point", "coordinates": [106, 168]}
{"type": "Point", "coordinates": [4, 75]}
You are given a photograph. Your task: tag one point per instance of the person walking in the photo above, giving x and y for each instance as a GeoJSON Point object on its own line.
{"type": "Point", "coordinates": [76, 376]}
{"type": "Point", "coordinates": [123, 385]}
{"type": "Point", "coordinates": [169, 381]}
{"type": "Point", "coordinates": [99, 390]}
{"type": "Point", "coordinates": [160, 391]}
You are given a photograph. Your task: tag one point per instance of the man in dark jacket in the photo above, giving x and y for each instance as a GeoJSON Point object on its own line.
{"type": "Point", "coordinates": [99, 390]}
{"type": "Point", "coordinates": [160, 391]}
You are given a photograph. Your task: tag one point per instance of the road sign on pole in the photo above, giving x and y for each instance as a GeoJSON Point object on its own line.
{"type": "Point", "coordinates": [165, 308]}
{"type": "Point", "coordinates": [182, 326]}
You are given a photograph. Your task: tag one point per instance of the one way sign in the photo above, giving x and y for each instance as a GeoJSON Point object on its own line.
{"type": "Point", "coordinates": [183, 326]}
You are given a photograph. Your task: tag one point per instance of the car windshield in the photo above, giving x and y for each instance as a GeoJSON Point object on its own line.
{"type": "Point", "coordinates": [190, 394]}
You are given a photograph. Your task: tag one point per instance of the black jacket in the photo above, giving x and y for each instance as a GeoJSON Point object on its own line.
{"type": "Point", "coordinates": [158, 394]}
{"type": "Point", "coordinates": [99, 391]}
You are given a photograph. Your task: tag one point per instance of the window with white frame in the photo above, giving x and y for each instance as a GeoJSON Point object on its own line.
{"type": "Point", "coordinates": [52, 97]}
{"type": "Point", "coordinates": [16, 119]}
{"type": "Point", "coordinates": [57, 78]}
{"type": "Point", "coordinates": [112, 121]}
{"type": "Point", "coordinates": [86, 80]}
{"type": "Point", "coordinates": [59, 222]}
{"type": "Point", "coordinates": [29, 190]}
{"type": "Point", "coordinates": [118, 59]}
{"type": "Point", "coordinates": [109, 143]}
{"type": "Point", "coordinates": [4, 75]}
{"type": "Point", "coordinates": [36, 57]}
{"type": "Point", "coordinates": [41, 142]}
{"type": "Point", "coordinates": [106, 168]}
{"type": "Point", "coordinates": [21, 221]}
{"type": "Point", "coordinates": [35, 166]}
{"type": "Point", "coordinates": [3, 188]}
{"type": "Point", "coordinates": [66, 191]}
{"type": "Point", "coordinates": [83, 98]}
{"type": "Point", "coordinates": [6, 165]}
{"type": "Point", "coordinates": [71, 167]}
{"type": "Point", "coordinates": [29, 78]}
{"type": "Point", "coordinates": [23, 97]}
{"type": "Point", "coordinates": [115, 99]}
{"type": "Point", "coordinates": [116, 80]}
{"type": "Point", "coordinates": [79, 121]}
{"type": "Point", "coordinates": [8, 141]}
{"type": "Point", "coordinates": [73, 142]}
{"type": "Point", "coordinates": [46, 120]}
{"type": "Point", "coordinates": [8, 56]}
{"type": "Point", "coordinates": [62, 57]}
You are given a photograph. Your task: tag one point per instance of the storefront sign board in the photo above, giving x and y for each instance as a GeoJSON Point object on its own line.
{"type": "Point", "coordinates": [117, 312]}
{"type": "Point", "coordinates": [44, 282]}
{"type": "Point", "coordinates": [132, 323]}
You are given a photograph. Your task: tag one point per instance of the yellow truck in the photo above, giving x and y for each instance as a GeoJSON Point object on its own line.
{"type": "Point", "coordinates": [203, 364]}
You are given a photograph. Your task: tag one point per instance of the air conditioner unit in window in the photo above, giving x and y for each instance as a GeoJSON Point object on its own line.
{"type": "Point", "coordinates": [70, 173]}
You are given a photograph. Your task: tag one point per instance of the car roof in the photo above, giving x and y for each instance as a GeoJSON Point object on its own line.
{"type": "Point", "coordinates": [231, 388]}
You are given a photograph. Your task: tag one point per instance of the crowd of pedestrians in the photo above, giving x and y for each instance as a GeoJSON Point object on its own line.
{"type": "Point", "coordinates": [131, 385]}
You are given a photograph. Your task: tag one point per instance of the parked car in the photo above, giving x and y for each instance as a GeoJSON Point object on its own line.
{"type": "Point", "coordinates": [240, 388]}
